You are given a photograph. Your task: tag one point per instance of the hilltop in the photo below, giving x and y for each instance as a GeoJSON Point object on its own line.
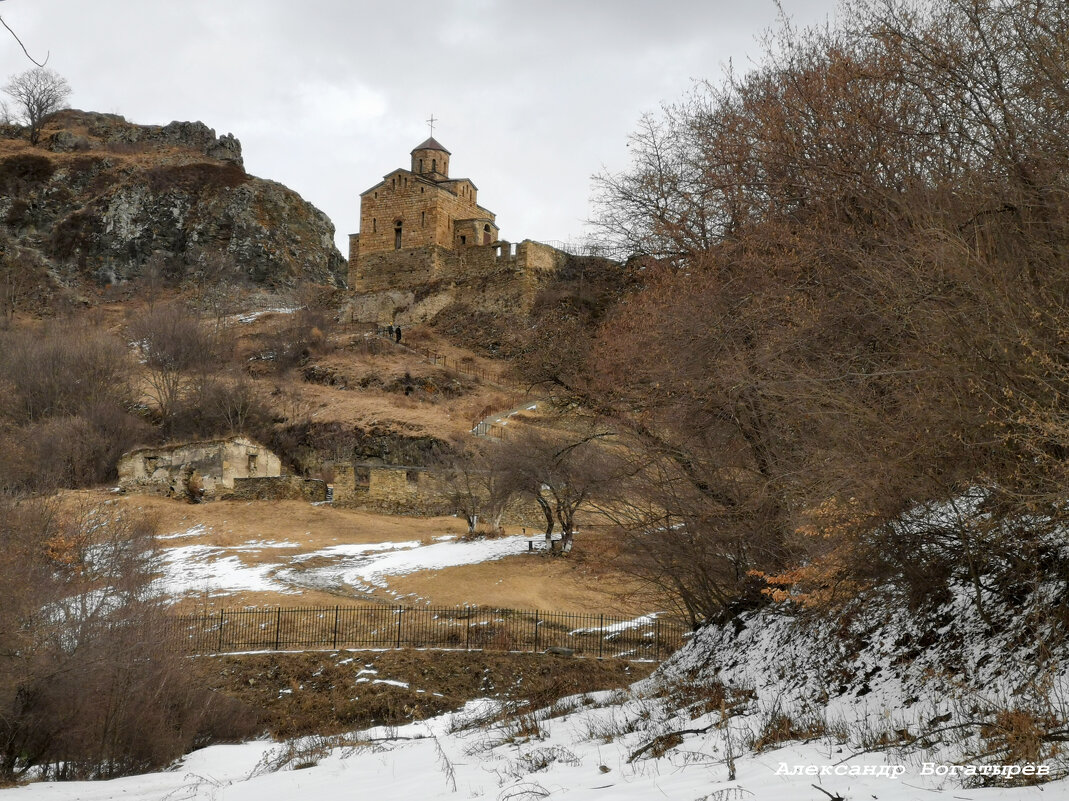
{"type": "Point", "coordinates": [105, 201]}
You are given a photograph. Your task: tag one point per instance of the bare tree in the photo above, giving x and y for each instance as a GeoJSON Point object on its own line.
{"type": "Point", "coordinates": [562, 473]}
{"type": "Point", "coordinates": [477, 481]}
{"type": "Point", "coordinates": [90, 686]}
{"type": "Point", "coordinates": [861, 306]}
{"type": "Point", "coordinates": [18, 280]}
{"type": "Point", "coordinates": [38, 93]}
{"type": "Point", "coordinates": [177, 351]}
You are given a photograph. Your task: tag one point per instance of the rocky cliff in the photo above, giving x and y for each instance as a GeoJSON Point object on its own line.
{"type": "Point", "coordinates": [107, 201]}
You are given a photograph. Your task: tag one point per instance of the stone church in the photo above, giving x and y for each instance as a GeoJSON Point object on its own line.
{"type": "Point", "coordinates": [418, 212]}
{"type": "Point", "coordinates": [425, 242]}
{"type": "Point", "coordinates": [420, 207]}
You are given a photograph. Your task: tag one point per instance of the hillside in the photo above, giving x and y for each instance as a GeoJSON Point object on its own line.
{"type": "Point", "coordinates": [772, 709]}
{"type": "Point", "coordinates": [820, 418]}
{"type": "Point", "coordinates": [104, 201]}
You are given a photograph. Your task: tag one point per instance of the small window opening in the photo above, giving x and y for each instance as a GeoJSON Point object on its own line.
{"type": "Point", "coordinates": [252, 464]}
{"type": "Point", "coordinates": [412, 476]}
{"type": "Point", "coordinates": [421, 165]}
{"type": "Point", "coordinates": [397, 237]}
{"type": "Point", "coordinates": [434, 165]}
{"type": "Point", "coordinates": [362, 476]}
{"type": "Point", "coordinates": [374, 225]}
{"type": "Point", "coordinates": [463, 239]}
{"type": "Point", "coordinates": [423, 218]}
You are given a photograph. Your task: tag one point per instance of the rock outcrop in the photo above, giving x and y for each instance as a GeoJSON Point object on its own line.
{"type": "Point", "coordinates": [107, 200]}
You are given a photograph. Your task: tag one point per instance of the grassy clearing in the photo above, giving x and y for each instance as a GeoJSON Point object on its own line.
{"type": "Point", "coordinates": [583, 583]}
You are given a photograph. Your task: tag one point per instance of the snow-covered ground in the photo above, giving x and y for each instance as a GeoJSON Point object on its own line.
{"type": "Point", "coordinates": [583, 753]}
{"type": "Point", "coordinates": [212, 569]}
{"type": "Point", "coordinates": [779, 709]}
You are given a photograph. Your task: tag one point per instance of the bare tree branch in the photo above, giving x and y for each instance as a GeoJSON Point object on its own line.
{"type": "Point", "coordinates": [24, 50]}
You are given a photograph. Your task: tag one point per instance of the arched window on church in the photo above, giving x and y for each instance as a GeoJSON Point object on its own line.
{"type": "Point", "coordinates": [397, 236]}
{"type": "Point", "coordinates": [486, 234]}
{"type": "Point", "coordinates": [434, 165]}
{"type": "Point", "coordinates": [374, 225]}
{"type": "Point", "coordinates": [421, 166]}
{"type": "Point", "coordinates": [423, 218]}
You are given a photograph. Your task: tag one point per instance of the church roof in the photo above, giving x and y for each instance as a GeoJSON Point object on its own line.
{"type": "Point", "coordinates": [430, 144]}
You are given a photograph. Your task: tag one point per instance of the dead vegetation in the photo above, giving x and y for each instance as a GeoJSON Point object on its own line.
{"type": "Point", "coordinates": [337, 691]}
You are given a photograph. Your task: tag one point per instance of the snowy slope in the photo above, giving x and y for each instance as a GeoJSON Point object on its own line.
{"type": "Point", "coordinates": [577, 758]}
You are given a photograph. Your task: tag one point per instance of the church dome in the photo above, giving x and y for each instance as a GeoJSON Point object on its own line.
{"type": "Point", "coordinates": [431, 144]}
{"type": "Point", "coordinates": [431, 160]}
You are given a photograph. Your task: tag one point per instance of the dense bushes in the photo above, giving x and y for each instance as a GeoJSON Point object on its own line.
{"type": "Point", "coordinates": [64, 417]}
{"type": "Point", "coordinates": [857, 317]}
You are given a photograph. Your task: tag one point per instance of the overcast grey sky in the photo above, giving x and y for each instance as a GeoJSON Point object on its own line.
{"type": "Point", "coordinates": [327, 96]}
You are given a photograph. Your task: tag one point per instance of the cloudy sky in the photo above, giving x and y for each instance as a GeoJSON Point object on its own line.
{"type": "Point", "coordinates": [532, 97]}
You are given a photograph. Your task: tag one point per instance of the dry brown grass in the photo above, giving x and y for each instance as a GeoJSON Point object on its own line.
{"type": "Point", "coordinates": [579, 584]}
{"type": "Point", "coordinates": [528, 581]}
{"type": "Point", "coordinates": [333, 691]}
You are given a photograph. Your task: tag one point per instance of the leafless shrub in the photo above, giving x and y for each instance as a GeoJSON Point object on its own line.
{"type": "Point", "coordinates": [89, 685]}
{"type": "Point", "coordinates": [63, 369]}
{"type": "Point", "coordinates": [178, 353]}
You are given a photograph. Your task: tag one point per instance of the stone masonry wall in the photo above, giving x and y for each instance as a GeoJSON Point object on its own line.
{"type": "Point", "coordinates": [212, 464]}
{"type": "Point", "coordinates": [411, 286]}
{"type": "Point", "coordinates": [278, 488]}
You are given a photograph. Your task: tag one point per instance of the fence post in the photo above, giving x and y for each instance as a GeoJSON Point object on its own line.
{"type": "Point", "coordinates": [657, 639]}
{"type": "Point", "coordinates": [467, 631]}
{"type": "Point", "coordinates": [278, 627]}
{"type": "Point", "coordinates": [400, 614]}
{"type": "Point", "coordinates": [601, 634]}
{"type": "Point", "coordinates": [336, 608]}
{"type": "Point", "coordinates": [536, 631]}
{"type": "Point", "coordinates": [220, 646]}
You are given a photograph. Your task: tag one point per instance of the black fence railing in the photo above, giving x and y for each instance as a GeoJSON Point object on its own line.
{"type": "Point", "coordinates": [471, 628]}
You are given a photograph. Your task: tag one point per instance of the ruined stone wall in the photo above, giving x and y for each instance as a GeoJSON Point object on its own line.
{"type": "Point", "coordinates": [277, 488]}
{"type": "Point", "coordinates": [210, 467]}
{"type": "Point", "coordinates": [411, 286]}
{"type": "Point", "coordinates": [354, 258]}
{"type": "Point", "coordinates": [245, 459]}
{"type": "Point", "coordinates": [386, 488]}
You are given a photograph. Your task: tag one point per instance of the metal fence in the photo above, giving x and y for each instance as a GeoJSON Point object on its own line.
{"type": "Point", "coordinates": [470, 628]}
{"type": "Point", "coordinates": [487, 429]}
